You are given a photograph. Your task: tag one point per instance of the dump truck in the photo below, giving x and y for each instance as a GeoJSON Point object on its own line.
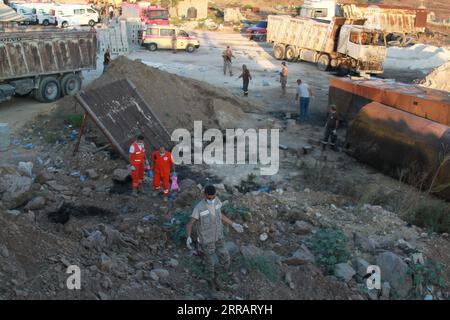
{"type": "Point", "coordinates": [45, 63]}
{"type": "Point", "coordinates": [339, 44]}
{"type": "Point", "coordinates": [398, 23]}
{"type": "Point", "coordinates": [401, 129]}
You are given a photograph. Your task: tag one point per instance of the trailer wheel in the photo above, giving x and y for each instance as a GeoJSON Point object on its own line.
{"type": "Point", "coordinates": [323, 63]}
{"type": "Point", "coordinates": [279, 51]}
{"type": "Point", "coordinates": [70, 84]}
{"type": "Point", "coordinates": [291, 54]}
{"type": "Point", "coordinates": [49, 90]}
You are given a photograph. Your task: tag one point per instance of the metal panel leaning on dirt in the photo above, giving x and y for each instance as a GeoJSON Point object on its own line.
{"type": "Point", "coordinates": [121, 113]}
{"type": "Point", "coordinates": [35, 53]}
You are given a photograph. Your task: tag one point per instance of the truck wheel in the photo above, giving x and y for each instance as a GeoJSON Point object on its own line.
{"type": "Point", "coordinates": [91, 23]}
{"type": "Point", "coordinates": [190, 48]}
{"type": "Point", "coordinates": [279, 51]}
{"type": "Point", "coordinates": [291, 54]}
{"type": "Point", "coordinates": [45, 22]}
{"type": "Point", "coordinates": [49, 90]}
{"type": "Point", "coordinates": [152, 47]}
{"type": "Point", "coordinates": [70, 84]}
{"type": "Point", "coordinates": [323, 63]}
{"type": "Point", "coordinates": [64, 24]}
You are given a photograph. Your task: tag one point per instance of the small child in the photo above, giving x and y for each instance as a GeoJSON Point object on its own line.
{"type": "Point", "coordinates": [174, 186]}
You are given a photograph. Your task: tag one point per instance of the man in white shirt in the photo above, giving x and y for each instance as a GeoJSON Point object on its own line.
{"type": "Point", "coordinates": [304, 92]}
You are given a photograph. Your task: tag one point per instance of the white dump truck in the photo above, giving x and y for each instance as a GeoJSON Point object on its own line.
{"type": "Point", "coordinates": [335, 44]}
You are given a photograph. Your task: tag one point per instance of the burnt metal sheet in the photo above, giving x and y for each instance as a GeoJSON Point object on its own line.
{"type": "Point", "coordinates": [423, 102]}
{"type": "Point", "coordinates": [33, 53]}
{"type": "Point", "coordinates": [395, 141]}
{"type": "Point", "coordinates": [121, 113]}
{"type": "Point", "coordinates": [390, 19]}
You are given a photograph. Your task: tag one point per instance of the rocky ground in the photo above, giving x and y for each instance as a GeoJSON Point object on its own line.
{"type": "Point", "coordinates": [310, 232]}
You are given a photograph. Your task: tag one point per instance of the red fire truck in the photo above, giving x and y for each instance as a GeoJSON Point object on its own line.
{"type": "Point", "coordinates": [145, 12]}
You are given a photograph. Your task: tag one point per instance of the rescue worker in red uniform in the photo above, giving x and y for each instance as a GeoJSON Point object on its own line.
{"type": "Point", "coordinates": [137, 163]}
{"type": "Point", "coordinates": [162, 161]}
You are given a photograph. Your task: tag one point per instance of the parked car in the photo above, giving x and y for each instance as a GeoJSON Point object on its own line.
{"type": "Point", "coordinates": [29, 14]}
{"type": "Point", "coordinates": [160, 37]}
{"type": "Point", "coordinates": [258, 32]}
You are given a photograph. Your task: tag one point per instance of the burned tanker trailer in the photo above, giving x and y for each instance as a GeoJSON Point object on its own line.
{"type": "Point", "coordinates": [403, 130]}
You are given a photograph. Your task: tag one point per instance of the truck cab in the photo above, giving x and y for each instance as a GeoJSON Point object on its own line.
{"type": "Point", "coordinates": [320, 9]}
{"type": "Point", "coordinates": [366, 46]}
{"type": "Point", "coordinates": [146, 13]}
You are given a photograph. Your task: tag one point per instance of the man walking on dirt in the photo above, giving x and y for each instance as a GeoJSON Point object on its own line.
{"type": "Point", "coordinates": [227, 56]}
{"type": "Point", "coordinates": [106, 60]}
{"type": "Point", "coordinates": [137, 164]}
{"type": "Point", "coordinates": [174, 41]}
{"type": "Point", "coordinates": [330, 128]}
{"type": "Point", "coordinates": [304, 93]}
{"type": "Point", "coordinates": [209, 218]}
{"type": "Point", "coordinates": [162, 161]}
{"type": "Point", "coordinates": [283, 78]}
{"type": "Point", "coordinates": [246, 77]}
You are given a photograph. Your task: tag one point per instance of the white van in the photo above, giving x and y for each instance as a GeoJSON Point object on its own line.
{"type": "Point", "coordinates": [79, 14]}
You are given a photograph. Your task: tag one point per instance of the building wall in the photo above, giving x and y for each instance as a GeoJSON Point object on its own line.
{"type": "Point", "coordinates": [183, 7]}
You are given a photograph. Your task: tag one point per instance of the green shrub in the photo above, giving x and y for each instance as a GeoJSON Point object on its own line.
{"type": "Point", "coordinates": [180, 220]}
{"type": "Point", "coordinates": [247, 6]}
{"type": "Point", "coordinates": [431, 214]}
{"type": "Point", "coordinates": [234, 212]}
{"type": "Point", "coordinates": [331, 247]}
{"type": "Point", "coordinates": [430, 273]}
{"type": "Point", "coordinates": [74, 119]}
{"type": "Point", "coordinates": [264, 265]}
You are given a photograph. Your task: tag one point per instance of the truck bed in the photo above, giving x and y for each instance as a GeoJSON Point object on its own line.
{"type": "Point", "coordinates": [33, 53]}
{"type": "Point", "coordinates": [302, 32]}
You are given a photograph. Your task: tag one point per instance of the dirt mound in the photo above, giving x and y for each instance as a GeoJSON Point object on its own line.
{"type": "Point", "coordinates": [438, 78]}
{"type": "Point", "coordinates": [177, 101]}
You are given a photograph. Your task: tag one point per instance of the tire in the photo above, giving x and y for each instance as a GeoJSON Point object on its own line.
{"type": "Point", "coordinates": [91, 23]}
{"type": "Point", "coordinates": [64, 24]}
{"type": "Point", "coordinates": [291, 54]}
{"type": "Point", "coordinates": [45, 22]}
{"type": "Point", "coordinates": [70, 84]}
{"type": "Point", "coordinates": [152, 47]}
{"type": "Point", "coordinates": [323, 63]}
{"type": "Point", "coordinates": [49, 90]}
{"type": "Point", "coordinates": [190, 48]}
{"type": "Point", "coordinates": [279, 51]}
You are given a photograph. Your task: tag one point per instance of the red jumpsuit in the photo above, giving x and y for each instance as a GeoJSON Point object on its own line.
{"type": "Point", "coordinates": [137, 160]}
{"type": "Point", "coordinates": [161, 170]}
